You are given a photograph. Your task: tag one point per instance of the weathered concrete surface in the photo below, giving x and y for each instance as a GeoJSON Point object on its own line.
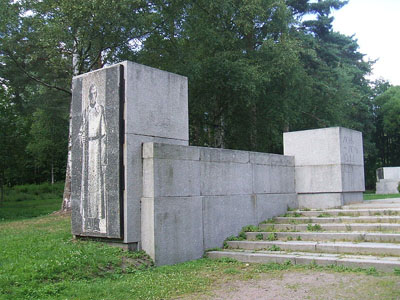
{"type": "Point", "coordinates": [224, 216]}
{"type": "Point", "coordinates": [338, 227]}
{"type": "Point", "coordinates": [228, 184]}
{"type": "Point", "coordinates": [329, 166]}
{"type": "Point", "coordinates": [172, 229]}
{"type": "Point", "coordinates": [388, 179]}
{"type": "Point", "coordinates": [329, 236]}
{"type": "Point", "coordinates": [156, 109]}
{"type": "Point", "coordinates": [302, 246]}
{"type": "Point", "coordinates": [156, 102]}
{"type": "Point", "coordinates": [379, 263]}
{"type": "Point", "coordinates": [387, 186]}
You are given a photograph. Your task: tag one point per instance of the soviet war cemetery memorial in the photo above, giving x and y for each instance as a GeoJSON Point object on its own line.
{"type": "Point", "coordinates": [155, 150]}
{"type": "Point", "coordinates": [137, 184]}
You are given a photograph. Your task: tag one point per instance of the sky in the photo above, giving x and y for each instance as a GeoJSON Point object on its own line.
{"type": "Point", "coordinates": [376, 26]}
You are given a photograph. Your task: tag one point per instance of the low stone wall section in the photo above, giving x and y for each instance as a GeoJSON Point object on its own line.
{"type": "Point", "coordinates": [195, 197]}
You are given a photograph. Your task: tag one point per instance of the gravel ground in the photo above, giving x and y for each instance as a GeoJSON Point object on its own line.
{"type": "Point", "coordinates": [298, 285]}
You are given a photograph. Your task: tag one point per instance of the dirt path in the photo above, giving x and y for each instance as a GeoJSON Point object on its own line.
{"type": "Point", "coordinates": [298, 285]}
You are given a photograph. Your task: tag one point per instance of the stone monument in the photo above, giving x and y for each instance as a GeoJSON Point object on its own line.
{"type": "Point", "coordinates": [388, 179]}
{"type": "Point", "coordinates": [329, 166]}
{"type": "Point", "coordinates": [136, 182]}
{"type": "Point", "coordinates": [115, 110]}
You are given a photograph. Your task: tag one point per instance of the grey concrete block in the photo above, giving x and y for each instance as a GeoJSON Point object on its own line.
{"type": "Point", "coordinates": [319, 179]}
{"type": "Point", "coordinates": [351, 147]}
{"type": "Point", "coordinates": [387, 186]}
{"type": "Point", "coordinates": [353, 178]}
{"type": "Point", "coordinates": [390, 173]}
{"type": "Point", "coordinates": [134, 182]}
{"type": "Point", "coordinates": [313, 147]}
{"type": "Point", "coordinates": [224, 216]}
{"type": "Point", "coordinates": [223, 155]}
{"type": "Point", "coordinates": [171, 151]}
{"type": "Point", "coordinates": [320, 201]}
{"type": "Point", "coordinates": [254, 257]}
{"type": "Point", "coordinates": [319, 260]}
{"type": "Point", "coordinates": [271, 159]}
{"type": "Point", "coordinates": [178, 234]}
{"type": "Point", "coordinates": [273, 179]}
{"type": "Point", "coordinates": [272, 205]}
{"type": "Point", "coordinates": [352, 197]}
{"type": "Point", "coordinates": [156, 102]}
{"type": "Point", "coordinates": [265, 245]}
{"type": "Point", "coordinates": [147, 227]}
{"type": "Point", "coordinates": [175, 178]}
{"type": "Point", "coordinates": [219, 178]}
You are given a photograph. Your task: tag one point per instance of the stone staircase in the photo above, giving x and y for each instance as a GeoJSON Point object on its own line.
{"type": "Point", "coordinates": [365, 235]}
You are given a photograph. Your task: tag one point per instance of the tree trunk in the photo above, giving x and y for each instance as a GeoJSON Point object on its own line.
{"type": "Point", "coordinates": [66, 204]}
{"type": "Point", "coordinates": [1, 192]}
{"type": "Point", "coordinates": [52, 173]}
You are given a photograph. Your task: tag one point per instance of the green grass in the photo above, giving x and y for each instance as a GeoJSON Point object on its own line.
{"type": "Point", "coordinates": [28, 201]}
{"type": "Point", "coordinates": [40, 260]}
{"type": "Point", "coordinates": [368, 196]}
{"type": "Point", "coordinates": [315, 227]}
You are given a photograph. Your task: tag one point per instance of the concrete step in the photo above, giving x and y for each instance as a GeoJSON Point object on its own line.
{"type": "Point", "coordinates": [391, 227]}
{"type": "Point", "coordinates": [393, 203]}
{"type": "Point", "coordinates": [385, 264]}
{"type": "Point", "coordinates": [321, 247]}
{"type": "Point", "coordinates": [329, 236]}
{"type": "Point", "coordinates": [344, 219]}
{"type": "Point", "coordinates": [348, 212]}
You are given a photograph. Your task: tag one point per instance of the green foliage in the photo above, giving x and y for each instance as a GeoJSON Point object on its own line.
{"type": "Point", "coordinates": [272, 237]}
{"type": "Point", "coordinates": [380, 196]}
{"type": "Point", "coordinates": [293, 214]}
{"type": "Point", "coordinates": [250, 228]}
{"type": "Point", "coordinates": [324, 215]}
{"type": "Point", "coordinates": [274, 248]}
{"type": "Point", "coordinates": [255, 69]}
{"type": "Point", "coordinates": [315, 227]}
{"type": "Point", "coordinates": [259, 236]}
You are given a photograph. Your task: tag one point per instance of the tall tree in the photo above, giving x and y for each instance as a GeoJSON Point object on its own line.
{"type": "Point", "coordinates": [44, 36]}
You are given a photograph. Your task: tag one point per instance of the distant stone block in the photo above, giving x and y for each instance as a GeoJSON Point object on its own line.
{"type": "Point", "coordinates": [388, 179]}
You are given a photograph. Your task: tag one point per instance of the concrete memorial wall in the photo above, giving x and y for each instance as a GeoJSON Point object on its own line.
{"type": "Point", "coordinates": [194, 197]}
{"type": "Point", "coordinates": [388, 180]}
{"type": "Point", "coordinates": [136, 182]}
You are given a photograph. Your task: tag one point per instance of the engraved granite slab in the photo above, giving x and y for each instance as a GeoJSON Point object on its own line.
{"type": "Point", "coordinates": [96, 153]}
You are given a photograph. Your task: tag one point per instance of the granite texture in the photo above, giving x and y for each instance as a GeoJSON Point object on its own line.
{"type": "Point", "coordinates": [234, 188]}
{"type": "Point", "coordinates": [95, 186]}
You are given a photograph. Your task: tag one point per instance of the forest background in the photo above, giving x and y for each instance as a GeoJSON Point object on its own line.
{"type": "Point", "coordinates": [256, 68]}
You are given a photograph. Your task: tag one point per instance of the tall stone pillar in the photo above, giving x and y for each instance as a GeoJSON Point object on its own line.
{"type": "Point", "coordinates": [114, 111]}
{"type": "Point", "coordinates": [329, 166]}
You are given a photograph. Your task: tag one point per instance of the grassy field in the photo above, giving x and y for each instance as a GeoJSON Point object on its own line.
{"type": "Point", "coordinates": [39, 259]}
{"type": "Point", "coordinates": [31, 200]}
{"type": "Point", "coordinates": [373, 196]}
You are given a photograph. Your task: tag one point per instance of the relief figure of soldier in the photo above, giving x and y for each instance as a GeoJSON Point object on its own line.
{"type": "Point", "coordinates": [93, 136]}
